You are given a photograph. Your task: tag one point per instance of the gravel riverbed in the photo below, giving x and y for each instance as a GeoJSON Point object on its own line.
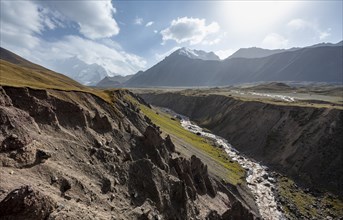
{"type": "Point", "coordinates": [259, 179]}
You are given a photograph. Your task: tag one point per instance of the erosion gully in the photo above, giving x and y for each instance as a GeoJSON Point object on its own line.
{"type": "Point", "coordinates": [259, 179]}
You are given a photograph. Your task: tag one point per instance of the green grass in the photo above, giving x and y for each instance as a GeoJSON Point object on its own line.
{"type": "Point", "coordinates": [235, 173]}
{"type": "Point", "coordinates": [328, 205]}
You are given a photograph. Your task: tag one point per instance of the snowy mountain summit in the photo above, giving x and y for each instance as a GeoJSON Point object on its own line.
{"type": "Point", "coordinates": [197, 54]}
{"type": "Point", "coordinates": [87, 74]}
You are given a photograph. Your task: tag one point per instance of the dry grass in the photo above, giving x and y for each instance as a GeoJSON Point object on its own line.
{"type": "Point", "coordinates": [37, 77]}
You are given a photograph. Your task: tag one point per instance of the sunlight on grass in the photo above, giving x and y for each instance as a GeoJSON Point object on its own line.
{"type": "Point", "coordinates": [235, 173]}
{"type": "Point", "coordinates": [41, 78]}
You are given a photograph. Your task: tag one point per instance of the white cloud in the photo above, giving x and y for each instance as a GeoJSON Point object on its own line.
{"type": "Point", "coordinates": [274, 41]}
{"type": "Point", "coordinates": [155, 31]}
{"type": "Point", "coordinates": [20, 23]}
{"type": "Point", "coordinates": [211, 42]}
{"type": "Point", "coordinates": [138, 21]}
{"type": "Point", "coordinates": [111, 59]}
{"type": "Point", "coordinates": [324, 34]}
{"type": "Point", "coordinates": [94, 18]}
{"type": "Point", "coordinates": [23, 24]}
{"type": "Point", "coordinates": [192, 30]}
{"type": "Point", "coordinates": [306, 26]}
{"type": "Point", "coordinates": [149, 24]}
{"type": "Point", "coordinates": [297, 24]}
{"type": "Point", "coordinates": [114, 60]}
{"type": "Point", "coordinates": [223, 54]}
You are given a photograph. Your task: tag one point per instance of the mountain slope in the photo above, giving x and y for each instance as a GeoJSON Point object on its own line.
{"type": "Point", "coordinates": [320, 64]}
{"type": "Point", "coordinates": [16, 71]}
{"type": "Point", "coordinates": [196, 54]}
{"type": "Point", "coordinates": [15, 59]}
{"type": "Point", "coordinates": [66, 154]}
{"type": "Point", "coordinates": [175, 70]}
{"type": "Point", "coordinates": [254, 52]}
{"type": "Point", "coordinates": [317, 64]}
{"type": "Point", "coordinates": [113, 81]}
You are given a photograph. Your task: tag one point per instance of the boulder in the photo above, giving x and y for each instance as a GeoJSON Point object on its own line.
{"type": "Point", "coordinates": [152, 137]}
{"type": "Point", "coordinates": [26, 203]}
{"type": "Point", "coordinates": [106, 185]}
{"type": "Point", "coordinates": [65, 185]}
{"type": "Point", "coordinates": [13, 142]}
{"type": "Point", "coordinates": [169, 144]}
{"type": "Point", "coordinates": [213, 215]}
{"type": "Point", "coordinates": [42, 155]}
{"type": "Point", "coordinates": [238, 212]}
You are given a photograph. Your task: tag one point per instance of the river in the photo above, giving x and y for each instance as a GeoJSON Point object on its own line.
{"type": "Point", "coordinates": [259, 179]}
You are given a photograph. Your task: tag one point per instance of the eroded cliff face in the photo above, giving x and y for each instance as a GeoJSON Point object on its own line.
{"type": "Point", "coordinates": [302, 142]}
{"type": "Point", "coordinates": [71, 154]}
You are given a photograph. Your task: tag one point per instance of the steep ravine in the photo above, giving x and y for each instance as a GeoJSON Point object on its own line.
{"type": "Point", "coordinates": [71, 155]}
{"type": "Point", "coordinates": [260, 181]}
{"type": "Point", "coordinates": [304, 143]}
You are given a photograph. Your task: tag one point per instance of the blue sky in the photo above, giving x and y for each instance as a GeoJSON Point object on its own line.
{"type": "Point", "coordinates": [127, 36]}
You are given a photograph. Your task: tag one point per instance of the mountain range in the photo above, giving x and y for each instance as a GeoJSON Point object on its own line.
{"type": "Point", "coordinates": [185, 67]}
{"type": "Point", "coordinates": [87, 74]}
{"type": "Point", "coordinates": [113, 81]}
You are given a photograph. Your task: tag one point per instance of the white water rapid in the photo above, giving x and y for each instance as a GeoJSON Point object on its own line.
{"type": "Point", "coordinates": [259, 180]}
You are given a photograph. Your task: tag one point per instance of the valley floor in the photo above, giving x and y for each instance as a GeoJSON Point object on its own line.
{"type": "Point", "coordinates": [229, 112]}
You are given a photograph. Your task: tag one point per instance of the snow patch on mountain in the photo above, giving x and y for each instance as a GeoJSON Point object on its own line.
{"type": "Point", "coordinates": [197, 54]}
{"type": "Point", "coordinates": [87, 74]}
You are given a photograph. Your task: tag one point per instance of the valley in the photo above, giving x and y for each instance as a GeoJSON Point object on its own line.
{"type": "Point", "coordinates": [231, 116]}
{"type": "Point", "coordinates": [77, 147]}
{"type": "Point", "coordinates": [68, 151]}
{"type": "Point", "coordinates": [171, 110]}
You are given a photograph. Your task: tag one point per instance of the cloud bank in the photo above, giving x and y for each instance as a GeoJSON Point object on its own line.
{"type": "Point", "coordinates": [274, 41]}
{"type": "Point", "coordinates": [306, 26]}
{"type": "Point", "coordinates": [191, 30]}
{"type": "Point", "coordinates": [94, 18]}
{"type": "Point", "coordinates": [23, 24]}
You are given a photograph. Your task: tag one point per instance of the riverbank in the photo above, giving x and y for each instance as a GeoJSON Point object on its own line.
{"type": "Point", "coordinates": [300, 143]}
{"type": "Point", "coordinates": [260, 181]}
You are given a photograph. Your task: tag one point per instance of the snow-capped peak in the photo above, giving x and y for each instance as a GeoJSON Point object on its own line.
{"type": "Point", "coordinates": [197, 54]}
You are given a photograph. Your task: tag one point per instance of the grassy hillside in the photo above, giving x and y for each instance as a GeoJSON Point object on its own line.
{"type": "Point", "coordinates": [16, 75]}
{"type": "Point", "coordinates": [18, 72]}
{"type": "Point", "coordinates": [235, 173]}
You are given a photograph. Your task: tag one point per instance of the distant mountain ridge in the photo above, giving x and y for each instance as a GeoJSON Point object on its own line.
{"type": "Point", "coordinates": [113, 81]}
{"type": "Point", "coordinates": [254, 52]}
{"type": "Point", "coordinates": [87, 74]}
{"type": "Point", "coordinates": [196, 54]}
{"type": "Point", "coordinates": [315, 63]}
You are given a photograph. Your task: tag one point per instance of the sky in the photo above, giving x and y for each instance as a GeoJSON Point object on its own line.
{"type": "Point", "coordinates": [127, 36]}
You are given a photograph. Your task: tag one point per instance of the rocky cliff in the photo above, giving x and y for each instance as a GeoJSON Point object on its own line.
{"type": "Point", "coordinates": [65, 155]}
{"type": "Point", "coordinates": [302, 142]}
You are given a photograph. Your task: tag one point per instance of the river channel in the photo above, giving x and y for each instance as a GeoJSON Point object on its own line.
{"type": "Point", "coordinates": [259, 179]}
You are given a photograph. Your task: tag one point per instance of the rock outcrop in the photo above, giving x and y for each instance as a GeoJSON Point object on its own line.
{"type": "Point", "coordinates": [171, 182]}
{"type": "Point", "coordinates": [84, 157]}
{"type": "Point", "coordinates": [26, 203]}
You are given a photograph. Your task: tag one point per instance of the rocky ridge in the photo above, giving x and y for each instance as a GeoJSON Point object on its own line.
{"type": "Point", "coordinates": [64, 155]}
